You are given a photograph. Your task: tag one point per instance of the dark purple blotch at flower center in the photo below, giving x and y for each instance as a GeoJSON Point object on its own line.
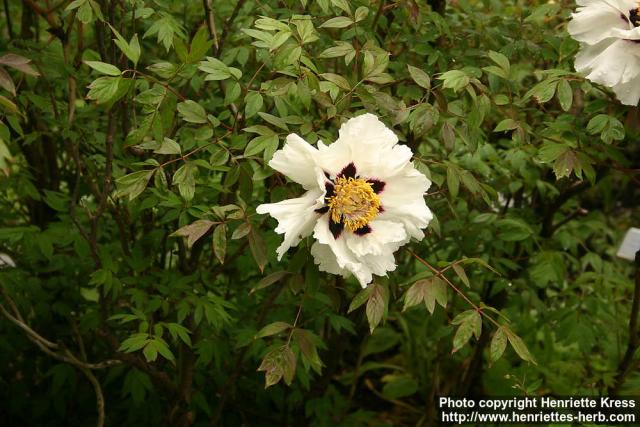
{"type": "Point", "coordinates": [348, 171]}
{"type": "Point", "coordinates": [634, 17]}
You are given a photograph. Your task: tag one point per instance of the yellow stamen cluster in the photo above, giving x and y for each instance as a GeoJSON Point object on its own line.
{"type": "Point", "coordinates": [354, 203]}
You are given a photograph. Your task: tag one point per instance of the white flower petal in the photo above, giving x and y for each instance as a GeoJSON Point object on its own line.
{"type": "Point", "coordinates": [296, 218]}
{"type": "Point", "coordinates": [326, 260]}
{"type": "Point", "coordinates": [628, 93]}
{"type": "Point", "coordinates": [610, 63]}
{"type": "Point", "coordinates": [594, 21]}
{"type": "Point", "coordinates": [297, 161]}
{"type": "Point", "coordinates": [334, 157]}
{"type": "Point", "coordinates": [369, 141]}
{"type": "Point", "coordinates": [403, 200]}
{"type": "Point", "coordinates": [385, 237]}
{"type": "Point", "coordinates": [379, 265]}
{"type": "Point", "coordinates": [345, 258]}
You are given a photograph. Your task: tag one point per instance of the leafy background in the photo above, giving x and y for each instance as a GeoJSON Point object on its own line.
{"type": "Point", "coordinates": [134, 141]}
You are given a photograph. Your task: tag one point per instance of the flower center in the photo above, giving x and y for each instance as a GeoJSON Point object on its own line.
{"type": "Point", "coordinates": [354, 203]}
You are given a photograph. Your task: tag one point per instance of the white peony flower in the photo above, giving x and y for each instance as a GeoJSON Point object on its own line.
{"type": "Point", "coordinates": [609, 31]}
{"type": "Point", "coordinates": [364, 199]}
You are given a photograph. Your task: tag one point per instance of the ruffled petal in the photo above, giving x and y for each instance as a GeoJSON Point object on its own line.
{"type": "Point", "coordinates": [403, 201]}
{"type": "Point", "coordinates": [595, 20]}
{"type": "Point", "coordinates": [296, 218]}
{"type": "Point", "coordinates": [326, 260]}
{"type": "Point", "coordinates": [297, 161]}
{"type": "Point", "coordinates": [367, 143]}
{"type": "Point", "coordinates": [333, 158]}
{"type": "Point", "coordinates": [345, 258]}
{"type": "Point", "coordinates": [628, 93]}
{"type": "Point", "coordinates": [610, 63]}
{"type": "Point", "coordinates": [383, 237]}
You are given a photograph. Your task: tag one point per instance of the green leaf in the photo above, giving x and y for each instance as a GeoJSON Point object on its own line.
{"type": "Point", "coordinates": [253, 104]}
{"type": "Point", "coordinates": [155, 346]}
{"type": "Point", "coordinates": [241, 231]}
{"type": "Point", "coordinates": [258, 249]}
{"type": "Point", "coordinates": [361, 13]}
{"type": "Point", "coordinates": [104, 89]}
{"type": "Point", "coordinates": [454, 79]}
{"type": "Point", "coordinates": [232, 92]}
{"type": "Point", "coordinates": [519, 346]}
{"type": "Point", "coordinates": [453, 181]}
{"type": "Point", "coordinates": [423, 118]}
{"type": "Point", "coordinates": [501, 60]}
{"type": "Point", "coordinates": [420, 77]}
{"type": "Point", "coordinates": [261, 143]}
{"type": "Point", "coordinates": [276, 121]}
{"type": "Point", "coordinates": [185, 179]}
{"type": "Point", "coordinates": [461, 274]}
{"type": "Point", "coordinates": [270, 280]}
{"type": "Point", "coordinates": [496, 71]}
{"type": "Point", "coordinates": [131, 49]}
{"type": "Point", "coordinates": [377, 305]}
{"type": "Point", "coordinates": [200, 45]}
{"type": "Point", "coordinates": [192, 112]}
{"type": "Point", "coordinates": [341, 49]}
{"type": "Point", "coordinates": [597, 123]}
{"type": "Point", "coordinates": [134, 342]}
{"type": "Point", "coordinates": [308, 342]}
{"type": "Point", "coordinates": [565, 95]}
{"type": "Point", "coordinates": [564, 164]}
{"type": "Point", "coordinates": [498, 344]}
{"type": "Point", "coordinates": [104, 68]}
{"type": "Point", "coordinates": [337, 22]}
{"type": "Point", "coordinates": [273, 329]}
{"type": "Point", "coordinates": [550, 151]}
{"type": "Point", "coordinates": [506, 124]}
{"type": "Point", "coordinates": [220, 242]}
{"type": "Point", "coordinates": [416, 293]}
{"type": "Point", "coordinates": [470, 323]}
{"type": "Point", "coordinates": [168, 146]}
{"type": "Point", "coordinates": [194, 231]}
{"type": "Point", "coordinates": [215, 69]}
{"type": "Point", "coordinates": [513, 230]}
{"type": "Point", "coordinates": [543, 91]}
{"type": "Point", "coordinates": [337, 80]}
{"type": "Point", "coordinates": [400, 386]}
{"type": "Point", "coordinates": [360, 298]}
{"type": "Point", "coordinates": [133, 184]}
{"type": "Point", "coordinates": [438, 292]}
{"type": "Point", "coordinates": [343, 5]}
{"type": "Point", "coordinates": [278, 364]}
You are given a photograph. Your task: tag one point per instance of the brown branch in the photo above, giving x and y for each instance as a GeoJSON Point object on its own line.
{"type": "Point", "coordinates": [99, 395]}
{"type": "Point", "coordinates": [227, 25]}
{"type": "Point", "coordinates": [211, 22]}
{"type": "Point", "coordinates": [44, 344]}
{"type": "Point", "coordinates": [8, 18]}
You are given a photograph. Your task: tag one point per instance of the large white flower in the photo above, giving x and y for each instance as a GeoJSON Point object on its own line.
{"type": "Point", "coordinates": [609, 32]}
{"type": "Point", "coordinates": [364, 199]}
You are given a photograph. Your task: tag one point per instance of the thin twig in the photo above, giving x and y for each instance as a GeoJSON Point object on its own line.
{"type": "Point", "coordinates": [211, 22]}
{"type": "Point", "coordinates": [454, 287]}
{"type": "Point", "coordinates": [228, 23]}
{"type": "Point", "coordinates": [99, 395]}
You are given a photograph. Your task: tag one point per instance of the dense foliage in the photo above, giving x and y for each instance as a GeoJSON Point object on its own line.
{"type": "Point", "coordinates": [134, 141]}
